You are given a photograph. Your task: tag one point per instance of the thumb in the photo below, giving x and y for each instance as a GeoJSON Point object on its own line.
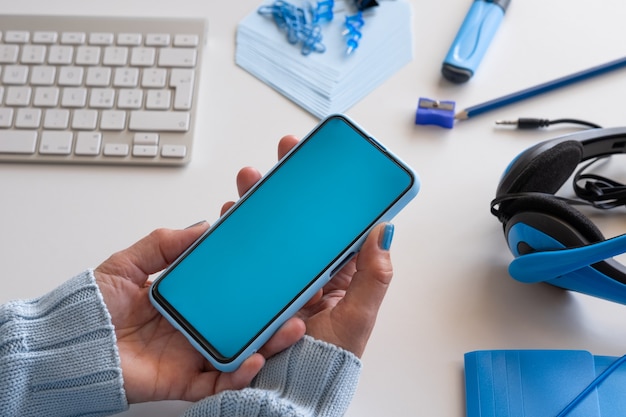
{"type": "Point", "coordinates": [153, 253]}
{"type": "Point", "coordinates": [373, 274]}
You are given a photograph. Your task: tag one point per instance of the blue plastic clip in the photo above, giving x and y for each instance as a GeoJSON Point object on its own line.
{"type": "Point", "coordinates": [323, 11]}
{"type": "Point", "coordinates": [295, 22]}
{"type": "Point", "coordinates": [277, 11]}
{"type": "Point", "coordinates": [353, 25]}
{"type": "Point", "coordinates": [313, 40]}
{"type": "Point", "coordinates": [292, 20]}
{"type": "Point", "coordinates": [435, 112]}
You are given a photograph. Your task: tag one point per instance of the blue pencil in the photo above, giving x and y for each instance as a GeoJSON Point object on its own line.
{"type": "Point", "coordinates": [539, 89]}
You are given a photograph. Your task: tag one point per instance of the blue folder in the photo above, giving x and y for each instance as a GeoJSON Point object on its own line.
{"type": "Point", "coordinates": [544, 383]}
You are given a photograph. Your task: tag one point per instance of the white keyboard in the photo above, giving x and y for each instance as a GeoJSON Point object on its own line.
{"type": "Point", "coordinates": [93, 90]}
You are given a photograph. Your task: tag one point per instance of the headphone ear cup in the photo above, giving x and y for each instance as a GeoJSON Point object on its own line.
{"type": "Point", "coordinates": [545, 172]}
{"type": "Point", "coordinates": [550, 216]}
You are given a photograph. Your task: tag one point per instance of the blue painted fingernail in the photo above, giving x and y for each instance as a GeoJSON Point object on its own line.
{"type": "Point", "coordinates": [387, 238]}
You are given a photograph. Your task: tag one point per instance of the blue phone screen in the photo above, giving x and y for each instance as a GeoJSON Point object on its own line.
{"type": "Point", "coordinates": [283, 236]}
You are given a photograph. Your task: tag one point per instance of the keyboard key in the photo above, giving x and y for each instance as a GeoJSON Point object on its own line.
{"type": "Point", "coordinates": [74, 97]}
{"type": "Point", "coordinates": [88, 55]}
{"type": "Point", "coordinates": [129, 39]}
{"type": "Point", "coordinates": [130, 98]}
{"type": "Point", "coordinates": [158, 99]}
{"type": "Point", "coordinates": [33, 54]}
{"type": "Point", "coordinates": [88, 143]}
{"type": "Point", "coordinates": [116, 149]}
{"type": "Point", "coordinates": [98, 77]}
{"type": "Point", "coordinates": [85, 119]}
{"type": "Point", "coordinates": [186, 40]}
{"type": "Point", "coordinates": [56, 119]}
{"type": "Point", "coordinates": [157, 39]}
{"type": "Point", "coordinates": [60, 55]}
{"type": "Point", "coordinates": [16, 36]}
{"type": "Point", "coordinates": [28, 118]}
{"type": "Point", "coordinates": [154, 121]}
{"type": "Point", "coordinates": [47, 38]}
{"type": "Point", "coordinates": [18, 141]}
{"type": "Point", "coordinates": [126, 77]}
{"type": "Point", "coordinates": [142, 57]}
{"type": "Point", "coordinates": [102, 98]}
{"type": "Point", "coordinates": [42, 75]}
{"type": "Point", "coordinates": [71, 76]}
{"type": "Point", "coordinates": [6, 117]}
{"type": "Point", "coordinates": [101, 38]}
{"type": "Point", "coordinates": [146, 139]}
{"type": "Point", "coordinates": [73, 38]}
{"type": "Point", "coordinates": [15, 75]}
{"type": "Point", "coordinates": [46, 97]}
{"type": "Point", "coordinates": [9, 54]}
{"type": "Point", "coordinates": [56, 143]}
{"type": "Point", "coordinates": [115, 56]}
{"type": "Point", "coordinates": [177, 57]}
{"type": "Point", "coordinates": [113, 120]}
{"type": "Point", "coordinates": [182, 80]}
{"type": "Point", "coordinates": [154, 78]}
{"type": "Point", "coordinates": [18, 96]}
{"type": "Point", "coordinates": [145, 150]}
{"type": "Point", "coordinates": [173, 151]}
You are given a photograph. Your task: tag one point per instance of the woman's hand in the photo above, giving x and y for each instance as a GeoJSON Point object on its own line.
{"type": "Point", "coordinates": [158, 362]}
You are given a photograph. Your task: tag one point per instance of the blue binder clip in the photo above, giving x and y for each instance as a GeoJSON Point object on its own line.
{"type": "Point", "coordinates": [435, 112]}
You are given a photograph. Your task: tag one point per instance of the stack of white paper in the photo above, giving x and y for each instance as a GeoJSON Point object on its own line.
{"type": "Point", "coordinates": [333, 81]}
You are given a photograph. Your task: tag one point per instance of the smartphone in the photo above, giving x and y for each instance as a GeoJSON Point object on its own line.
{"type": "Point", "coordinates": [282, 241]}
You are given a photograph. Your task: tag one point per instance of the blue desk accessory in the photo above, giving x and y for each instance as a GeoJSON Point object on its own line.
{"type": "Point", "coordinates": [473, 39]}
{"type": "Point", "coordinates": [300, 29]}
{"type": "Point", "coordinates": [541, 88]}
{"type": "Point", "coordinates": [333, 81]}
{"type": "Point", "coordinates": [353, 32]}
{"type": "Point", "coordinates": [544, 383]}
{"type": "Point", "coordinates": [303, 23]}
{"type": "Point", "coordinates": [435, 112]}
{"type": "Point", "coordinates": [546, 87]}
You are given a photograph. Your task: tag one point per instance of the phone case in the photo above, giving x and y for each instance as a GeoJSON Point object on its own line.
{"type": "Point", "coordinates": [231, 364]}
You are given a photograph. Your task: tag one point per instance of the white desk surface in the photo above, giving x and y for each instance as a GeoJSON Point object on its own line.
{"type": "Point", "coordinates": [451, 292]}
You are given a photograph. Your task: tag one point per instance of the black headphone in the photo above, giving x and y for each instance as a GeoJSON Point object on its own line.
{"type": "Point", "coordinates": [552, 241]}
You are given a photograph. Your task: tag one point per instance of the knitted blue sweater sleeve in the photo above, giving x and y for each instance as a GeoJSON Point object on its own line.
{"type": "Point", "coordinates": [310, 379]}
{"type": "Point", "coordinates": [58, 355]}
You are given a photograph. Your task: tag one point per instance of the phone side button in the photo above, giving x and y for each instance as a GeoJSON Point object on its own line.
{"type": "Point", "coordinates": [342, 263]}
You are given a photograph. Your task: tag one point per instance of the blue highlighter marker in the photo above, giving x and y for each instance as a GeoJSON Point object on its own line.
{"type": "Point", "coordinates": [473, 39]}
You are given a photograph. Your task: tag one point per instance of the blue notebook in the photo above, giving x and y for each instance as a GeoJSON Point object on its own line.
{"type": "Point", "coordinates": [544, 383]}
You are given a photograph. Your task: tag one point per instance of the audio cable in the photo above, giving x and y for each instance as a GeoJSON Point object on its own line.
{"type": "Point", "coordinates": [535, 123]}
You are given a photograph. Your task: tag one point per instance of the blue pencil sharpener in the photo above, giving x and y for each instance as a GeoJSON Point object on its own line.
{"type": "Point", "coordinates": [435, 112]}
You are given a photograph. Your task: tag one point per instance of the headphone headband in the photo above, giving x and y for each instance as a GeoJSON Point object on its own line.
{"type": "Point", "coordinates": [552, 241]}
{"type": "Point", "coordinates": [601, 142]}
{"type": "Point", "coordinates": [595, 143]}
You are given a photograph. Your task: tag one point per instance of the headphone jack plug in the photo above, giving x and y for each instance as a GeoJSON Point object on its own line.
{"type": "Point", "coordinates": [534, 123]}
